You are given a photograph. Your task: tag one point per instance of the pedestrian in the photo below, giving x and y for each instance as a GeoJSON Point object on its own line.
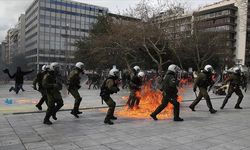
{"type": "Point", "coordinates": [203, 81]}
{"type": "Point", "coordinates": [52, 87]}
{"type": "Point", "coordinates": [18, 77]}
{"type": "Point", "coordinates": [135, 86]}
{"type": "Point", "coordinates": [169, 92]}
{"type": "Point", "coordinates": [110, 86]}
{"type": "Point", "coordinates": [38, 80]}
{"type": "Point", "coordinates": [74, 85]}
{"type": "Point", "coordinates": [236, 81]}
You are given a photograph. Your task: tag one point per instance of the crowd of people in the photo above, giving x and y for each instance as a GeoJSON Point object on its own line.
{"type": "Point", "coordinates": [50, 83]}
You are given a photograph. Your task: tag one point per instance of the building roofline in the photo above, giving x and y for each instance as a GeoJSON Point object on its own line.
{"type": "Point", "coordinates": [229, 6]}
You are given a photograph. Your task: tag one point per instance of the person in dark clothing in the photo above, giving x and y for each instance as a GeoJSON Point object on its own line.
{"type": "Point", "coordinates": [52, 86]}
{"type": "Point", "coordinates": [38, 80]}
{"type": "Point", "coordinates": [203, 81]}
{"type": "Point", "coordinates": [110, 86]}
{"type": "Point", "coordinates": [74, 84]}
{"type": "Point", "coordinates": [236, 80]}
{"type": "Point", "coordinates": [135, 86]}
{"type": "Point", "coordinates": [18, 77]}
{"type": "Point", "coordinates": [169, 90]}
{"type": "Point", "coordinates": [94, 79]}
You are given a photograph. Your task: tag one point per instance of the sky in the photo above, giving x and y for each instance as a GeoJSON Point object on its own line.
{"type": "Point", "coordinates": [10, 10]}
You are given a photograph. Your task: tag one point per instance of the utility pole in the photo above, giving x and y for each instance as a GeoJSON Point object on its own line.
{"type": "Point", "coordinates": [67, 50]}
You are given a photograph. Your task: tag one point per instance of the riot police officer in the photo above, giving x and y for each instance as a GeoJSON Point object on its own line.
{"type": "Point", "coordinates": [110, 86]}
{"type": "Point", "coordinates": [169, 91]}
{"type": "Point", "coordinates": [133, 76]}
{"type": "Point", "coordinates": [38, 80]}
{"type": "Point", "coordinates": [135, 71]}
{"type": "Point", "coordinates": [234, 86]}
{"type": "Point", "coordinates": [52, 87]}
{"type": "Point", "coordinates": [203, 81]}
{"type": "Point", "coordinates": [135, 86]}
{"type": "Point", "coordinates": [74, 85]}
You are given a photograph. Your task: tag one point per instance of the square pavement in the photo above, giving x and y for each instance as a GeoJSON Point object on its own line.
{"type": "Point", "coordinates": [228, 129]}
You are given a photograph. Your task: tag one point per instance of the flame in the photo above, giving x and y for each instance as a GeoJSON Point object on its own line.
{"type": "Point", "coordinates": [149, 100]}
{"type": "Point", "coordinates": [186, 82]}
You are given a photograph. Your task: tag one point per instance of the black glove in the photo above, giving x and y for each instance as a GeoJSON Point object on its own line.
{"type": "Point", "coordinates": [194, 89]}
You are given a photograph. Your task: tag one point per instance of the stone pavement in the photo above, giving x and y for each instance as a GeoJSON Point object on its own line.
{"type": "Point", "coordinates": [229, 129]}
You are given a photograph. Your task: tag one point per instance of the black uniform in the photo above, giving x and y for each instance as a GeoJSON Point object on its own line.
{"type": "Point", "coordinates": [109, 87]}
{"type": "Point", "coordinates": [18, 77]}
{"type": "Point", "coordinates": [134, 86]}
{"type": "Point", "coordinates": [203, 80]}
{"type": "Point", "coordinates": [55, 102]}
{"type": "Point", "coordinates": [169, 87]}
{"type": "Point", "coordinates": [234, 86]}
{"type": "Point", "coordinates": [38, 80]}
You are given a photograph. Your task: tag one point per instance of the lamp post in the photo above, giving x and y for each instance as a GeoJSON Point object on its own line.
{"type": "Point", "coordinates": [67, 50]}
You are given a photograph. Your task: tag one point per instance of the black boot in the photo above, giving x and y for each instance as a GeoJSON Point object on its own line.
{"type": "Point", "coordinates": [154, 117]}
{"type": "Point", "coordinates": [78, 112]}
{"type": "Point", "coordinates": [212, 111]}
{"type": "Point", "coordinates": [39, 107]}
{"type": "Point", "coordinates": [178, 119]}
{"type": "Point", "coordinates": [48, 122]}
{"type": "Point", "coordinates": [108, 121]}
{"type": "Point", "coordinates": [11, 89]}
{"type": "Point", "coordinates": [54, 117]}
{"type": "Point", "coordinates": [192, 108]}
{"type": "Point", "coordinates": [74, 113]}
{"type": "Point", "coordinates": [238, 107]}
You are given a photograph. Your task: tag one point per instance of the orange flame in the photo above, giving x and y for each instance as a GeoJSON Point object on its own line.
{"type": "Point", "coordinates": [149, 101]}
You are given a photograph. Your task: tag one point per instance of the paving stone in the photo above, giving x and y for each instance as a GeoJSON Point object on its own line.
{"type": "Point", "coordinates": [67, 146]}
{"type": "Point", "coordinates": [36, 145]}
{"type": "Point", "coordinates": [13, 147]}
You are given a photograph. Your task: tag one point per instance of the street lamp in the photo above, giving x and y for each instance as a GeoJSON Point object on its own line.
{"type": "Point", "coordinates": [67, 50]}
